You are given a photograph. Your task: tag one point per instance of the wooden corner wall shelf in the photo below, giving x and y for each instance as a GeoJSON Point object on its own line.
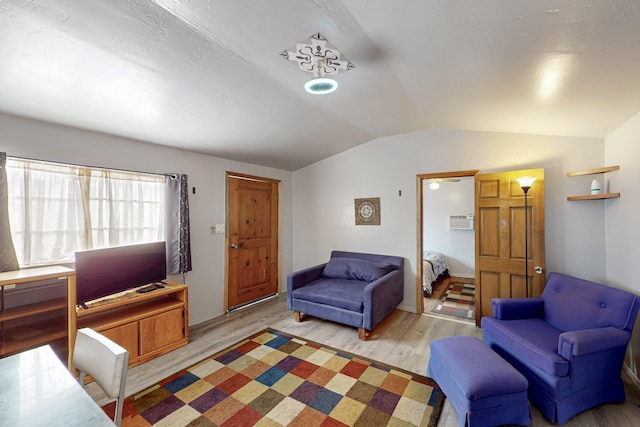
{"type": "Point", "coordinates": [594, 171]}
{"type": "Point", "coordinates": [594, 197]}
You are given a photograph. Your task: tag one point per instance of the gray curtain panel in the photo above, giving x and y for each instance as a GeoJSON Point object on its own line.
{"type": "Point", "coordinates": [8, 259]}
{"type": "Point", "coordinates": [177, 228]}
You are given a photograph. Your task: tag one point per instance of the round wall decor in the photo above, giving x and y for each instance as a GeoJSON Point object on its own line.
{"type": "Point", "coordinates": [367, 211]}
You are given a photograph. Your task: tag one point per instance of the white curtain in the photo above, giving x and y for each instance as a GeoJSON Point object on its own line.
{"type": "Point", "coordinates": [56, 210]}
{"type": "Point", "coordinates": [8, 259]}
{"type": "Point", "coordinates": [125, 208]}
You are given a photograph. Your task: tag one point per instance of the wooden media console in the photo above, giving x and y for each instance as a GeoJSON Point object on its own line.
{"type": "Point", "coordinates": [146, 324]}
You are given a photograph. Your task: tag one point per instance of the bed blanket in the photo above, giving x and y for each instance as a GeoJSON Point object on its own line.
{"type": "Point", "coordinates": [434, 264]}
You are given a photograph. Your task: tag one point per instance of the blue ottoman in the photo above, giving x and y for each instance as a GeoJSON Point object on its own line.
{"type": "Point", "coordinates": [483, 388]}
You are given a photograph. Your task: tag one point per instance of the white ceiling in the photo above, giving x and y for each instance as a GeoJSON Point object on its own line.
{"type": "Point", "coordinates": [207, 75]}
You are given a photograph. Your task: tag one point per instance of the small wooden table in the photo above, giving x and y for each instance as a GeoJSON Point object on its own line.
{"type": "Point", "coordinates": [37, 390]}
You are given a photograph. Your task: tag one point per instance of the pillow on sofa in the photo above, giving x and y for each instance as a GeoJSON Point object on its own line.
{"type": "Point", "coordinates": [355, 269]}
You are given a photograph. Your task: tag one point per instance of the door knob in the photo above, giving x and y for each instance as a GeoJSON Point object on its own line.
{"type": "Point", "coordinates": [537, 269]}
{"type": "Point", "coordinates": [234, 246]}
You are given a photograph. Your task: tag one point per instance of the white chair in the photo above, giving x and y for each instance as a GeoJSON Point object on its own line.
{"type": "Point", "coordinates": [106, 362]}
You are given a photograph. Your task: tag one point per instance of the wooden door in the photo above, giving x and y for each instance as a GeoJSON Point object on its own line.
{"type": "Point", "coordinates": [252, 270]}
{"type": "Point", "coordinates": [500, 238]}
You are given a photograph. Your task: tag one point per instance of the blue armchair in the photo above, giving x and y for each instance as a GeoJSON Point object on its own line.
{"type": "Point", "coordinates": [570, 343]}
{"type": "Point", "coordinates": [352, 288]}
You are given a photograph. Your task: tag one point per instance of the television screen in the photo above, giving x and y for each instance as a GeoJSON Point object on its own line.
{"type": "Point", "coordinates": [102, 272]}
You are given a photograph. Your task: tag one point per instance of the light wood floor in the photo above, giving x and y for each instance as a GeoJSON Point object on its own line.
{"type": "Point", "coordinates": [401, 340]}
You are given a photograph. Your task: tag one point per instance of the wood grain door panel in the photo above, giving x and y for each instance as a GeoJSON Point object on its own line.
{"type": "Point", "coordinates": [489, 242]}
{"type": "Point", "coordinates": [253, 239]}
{"type": "Point", "coordinates": [161, 330]}
{"type": "Point", "coordinates": [127, 336]}
{"type": "Point", "coordinates": [500, 237]}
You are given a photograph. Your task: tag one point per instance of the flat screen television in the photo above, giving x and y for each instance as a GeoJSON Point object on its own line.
{"type": "Point", "coordinates": [102, 272]}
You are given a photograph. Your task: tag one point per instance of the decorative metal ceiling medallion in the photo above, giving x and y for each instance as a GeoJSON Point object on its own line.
{"type": "Point", "coordinates": [317, 56]}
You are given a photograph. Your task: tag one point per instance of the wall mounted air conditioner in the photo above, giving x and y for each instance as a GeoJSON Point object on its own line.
{"type": "Point", "coordinates": [461, 222]}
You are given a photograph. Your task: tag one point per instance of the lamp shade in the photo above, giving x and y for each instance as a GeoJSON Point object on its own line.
{"type": "Point", "coordinates": [525, 182]}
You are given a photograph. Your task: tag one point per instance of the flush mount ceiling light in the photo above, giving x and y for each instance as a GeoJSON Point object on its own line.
{"type": "Point", "coordinates": [434, 184]}
{"type": "Point", "coordinates": [316, 56]}
{"type": "Point", "coordinates": [321, 86]}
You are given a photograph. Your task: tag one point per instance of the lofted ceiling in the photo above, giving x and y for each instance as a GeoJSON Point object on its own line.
{"type": "Point", "coordinates": [206, 75]}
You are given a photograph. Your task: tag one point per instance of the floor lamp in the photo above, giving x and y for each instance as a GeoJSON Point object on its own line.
{"type": "Point", "coordinates": [525, 184]}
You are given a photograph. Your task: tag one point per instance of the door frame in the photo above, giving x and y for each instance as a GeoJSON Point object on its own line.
{"type": "Point", "coordinates": [237, 175]}
{"type": "Point", "coordinates": [420, 212]}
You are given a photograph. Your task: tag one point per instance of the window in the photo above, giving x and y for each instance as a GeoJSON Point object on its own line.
{"type": "Point", "coordinates": [56, 209]}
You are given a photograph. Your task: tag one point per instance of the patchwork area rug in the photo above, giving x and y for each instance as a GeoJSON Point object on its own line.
{"type": "Point", "coordinates": [276, 379]}
{"type": "Point", "coordinates": [458, 300]}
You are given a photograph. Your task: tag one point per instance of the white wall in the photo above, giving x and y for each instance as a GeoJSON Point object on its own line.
{"type": "Point", "coordinates": [38, 140]}
{"type": "Point", "coordinates": [458, 246]}
{"type": "Point", "coordinates": [323, 196]}
{"type": "Point", "coordinates": [622, 225]}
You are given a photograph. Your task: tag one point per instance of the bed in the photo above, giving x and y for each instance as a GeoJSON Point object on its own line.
{"type": "Point", "coordinates": [434, 265]}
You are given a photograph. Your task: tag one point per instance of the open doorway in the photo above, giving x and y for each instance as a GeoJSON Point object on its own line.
{"type": "Point", "coordinates": [446, 246]}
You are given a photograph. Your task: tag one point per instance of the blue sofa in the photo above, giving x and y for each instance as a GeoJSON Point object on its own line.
{"type": "Point", "coordinates": [352, 288]}
{"type": "Point", "coordinates": [570, 343]}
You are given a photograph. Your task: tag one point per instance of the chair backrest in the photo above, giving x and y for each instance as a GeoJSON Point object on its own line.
{"type": "Point", "coordinates": [571, 303]}
{"type": "Point", "coordinates": [395, 261]}
{"type": "Point", "coordinates": [106, 362]}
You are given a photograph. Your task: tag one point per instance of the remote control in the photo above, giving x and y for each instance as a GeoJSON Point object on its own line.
{"type": "Point", "coordinates": [146, 289]}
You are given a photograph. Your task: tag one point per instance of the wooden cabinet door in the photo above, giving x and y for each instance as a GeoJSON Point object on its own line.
{"type": "Point", "coordinates": [127, 337]}
{"type": "Point", "coordinates": [500, 238]}
{"type": "Point", "coordinates": [161, 330]}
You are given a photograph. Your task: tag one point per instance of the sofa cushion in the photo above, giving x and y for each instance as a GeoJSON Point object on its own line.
{"type": "Point", "coordinates": [355, 269]}
{"type": "Point", "coordinates": [532, 341]}
{"type": "Point", "coordinates": [346, 294]}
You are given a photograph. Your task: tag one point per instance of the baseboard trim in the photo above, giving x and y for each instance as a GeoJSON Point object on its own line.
{"type": "Point", "coordinates": [632, 378]}
{"type": "Point", "coordinates": [464, 276]}
{"type": "Point", "coordinates": [406, 308]}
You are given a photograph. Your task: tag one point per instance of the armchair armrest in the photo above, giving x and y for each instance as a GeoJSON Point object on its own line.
{"type": "Point", "coordinates": [517, 308]}
{"type": "Point", "coordinates": [302, 277]}
{"type": "Point", "coordinates": [381, 297]}
{"type": "Point", "coordinates": [583, 341]}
